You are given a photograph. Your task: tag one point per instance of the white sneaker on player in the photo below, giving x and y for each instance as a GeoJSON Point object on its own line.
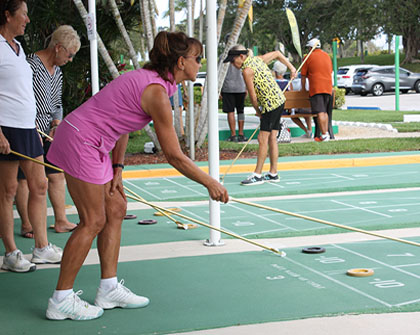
{"type": "Point", "coordinates": [51, 254]}
{"type": "Point", "coordinates": [120, 296]}
{"type": "Point", "coordinates": [72, 307]}
{"type": "Point", "coordinates": [17, 263]}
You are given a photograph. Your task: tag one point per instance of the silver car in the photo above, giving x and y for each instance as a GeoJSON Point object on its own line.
{"type": "Point", "coordinates": [382, 79]}
{"type": "Point", "coordinates": [345, 75]}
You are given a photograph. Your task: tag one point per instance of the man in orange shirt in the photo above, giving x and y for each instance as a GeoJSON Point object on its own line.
{"type": "Point", "coordinates": [318, 69]}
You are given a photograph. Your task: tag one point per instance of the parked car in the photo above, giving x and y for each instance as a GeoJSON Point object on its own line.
{"type": "Point", "coordinates": [382, 79]}
{"type": "Point", "coordinates": [345, 75]}
{"type": "Point", "coordinates": [200, 79]}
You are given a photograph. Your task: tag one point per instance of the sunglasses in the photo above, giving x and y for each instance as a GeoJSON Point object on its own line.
{"type": "Point", "coordinates": [197, 58]}
{"type": "Point", "coordinates": [69, 54]}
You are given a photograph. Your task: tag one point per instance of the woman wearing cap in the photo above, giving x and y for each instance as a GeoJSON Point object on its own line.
{"type": "Point", "coordinates": [81, 148]}
{"type": "Point", "coordinates": [18, 133]}
{"type": "Point", "coordinates": [268, 102]}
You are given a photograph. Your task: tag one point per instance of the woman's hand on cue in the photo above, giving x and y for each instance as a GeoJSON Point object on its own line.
{"type": "Point", "coordinates": [218, 192]}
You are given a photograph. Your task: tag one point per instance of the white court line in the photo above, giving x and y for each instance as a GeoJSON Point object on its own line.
{"type": "Point", "coordinates": [143, 190]}
{"type": "Point", "coordinates": [261, 217]}
{"type": "Point", "coordinates": [407, 265]}
{"type": "Point", "coordinates": [363, 209]}
{"type": "Point", "coordinates": [339, 282]}
{"type": "Point", "coordinates": [183, 186]}
{"type": "Point", "coordinates": [263, 232]}
{"type": "Point", "coordinates": [377, 261]}
{"type": "Point", "coordinates": [198, 217]}
{"type": "Point", "coordinates": [407, 303]}
{"type": "Point", "coordinates": [339, 176]}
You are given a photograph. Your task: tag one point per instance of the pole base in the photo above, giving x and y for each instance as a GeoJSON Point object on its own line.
{"type": "Point", "coordinates": [219, 243]}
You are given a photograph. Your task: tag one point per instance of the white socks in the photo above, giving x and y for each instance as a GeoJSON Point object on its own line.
{"type": "Point", "coordinates": [108, 284]}
{"type": "Point", "coordinates": [60, 295]}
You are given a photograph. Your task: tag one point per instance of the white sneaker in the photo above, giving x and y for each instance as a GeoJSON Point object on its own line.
{"type": "Point", "coordinates": [50, 254]}
{"type": "Point", "coordinates": [120, 296]}
{"type": "Point", "coordinates": [17, 263]}
{"type": "Point", "coordinates": [72, 307]}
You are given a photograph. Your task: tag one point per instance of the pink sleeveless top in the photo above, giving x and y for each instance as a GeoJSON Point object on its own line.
{"type": "Point", "coordinates": [84, 139]}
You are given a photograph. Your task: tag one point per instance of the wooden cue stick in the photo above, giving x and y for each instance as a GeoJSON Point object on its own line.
{"type": "Point", "coordinates": [325, 222]}
{"type": "Point", "coordinates": [249, 140]}
{"type": "Point", "coordinates": [45, 135]}
{"type": "Point", "coordinates": [158, 209]}
{"type": "Point", "coordinates": [36, 161]}
{"type": "Point", "coordinates": [206, 225]}
{"type": "Point", "coordinates": [237, 156]}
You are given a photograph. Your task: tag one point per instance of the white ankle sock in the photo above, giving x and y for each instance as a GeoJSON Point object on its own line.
{"type": "Point", "coordinates": [108, 284]}
{"type": "Point", "coordinates": [257, 175]}
{"type": "Point", "coordinates": [60, 295]}
{"type": "Point", "coordinates": [13, 253]}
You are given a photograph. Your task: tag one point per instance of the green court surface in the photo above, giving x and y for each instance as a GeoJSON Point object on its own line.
{"type": "Point", "coordinates": [291, 182]}
{"type": "Point", "coordinates": [201, 292]}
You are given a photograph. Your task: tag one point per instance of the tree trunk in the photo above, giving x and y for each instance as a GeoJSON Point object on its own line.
{"type": "Point", "coordinates": [202, 127]}
{"type": "Point", "coordinates": [220, 18]}
{"type": "Point", "coordinates": [101, 47]}
{"type": "Point", "coordinates": [153, 12]}
{"type": "Point", "coordinates": [121, 27]}
{"type": "Point", "coordinates": [412, 45]}
{"type": "Point", "coordinates": [147, 25]}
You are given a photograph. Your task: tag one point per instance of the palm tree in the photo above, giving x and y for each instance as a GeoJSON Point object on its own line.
{"type": "Point", "coordinates": [202, 128]}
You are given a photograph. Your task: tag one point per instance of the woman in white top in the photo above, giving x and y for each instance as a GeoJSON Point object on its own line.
{"type": "Point", "coordinates": [18, 133]}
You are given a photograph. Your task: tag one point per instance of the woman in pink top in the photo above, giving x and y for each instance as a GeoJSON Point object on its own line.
{"type": "Point", "coordinates": [81, 148]}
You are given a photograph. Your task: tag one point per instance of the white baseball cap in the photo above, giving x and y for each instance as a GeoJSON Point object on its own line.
{"type": "Point", "coordinates": [279, 67]}
{"type": "Point", "coordinates": [312, 42]}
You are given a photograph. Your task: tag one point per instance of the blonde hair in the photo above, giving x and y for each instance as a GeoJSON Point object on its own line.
{"type": "Point", "coordinates": [66, 36]}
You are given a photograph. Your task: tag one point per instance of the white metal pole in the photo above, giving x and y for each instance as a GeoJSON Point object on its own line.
{"type": "Point", "coordinates": [91, 27]}
{"type": "Point", "coordinates": [212, 105]}
{"type": "Point", "coordinates": [190, 28]}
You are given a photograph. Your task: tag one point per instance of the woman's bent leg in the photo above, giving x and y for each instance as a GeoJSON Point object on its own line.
{"type": "Point", "coordinates": [89, 200]}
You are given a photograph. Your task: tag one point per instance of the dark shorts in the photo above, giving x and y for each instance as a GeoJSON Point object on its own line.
{"type": "Point", "coordinates": [233, 100]}
{"type": "Point", "coordinates": [320, 103]}
{"type": "Point", "coordinates": [48, 170]}
{"type": "Point", "coordinates": [271, 120]}
{"type": "Point", "coordinates": [23, 141]}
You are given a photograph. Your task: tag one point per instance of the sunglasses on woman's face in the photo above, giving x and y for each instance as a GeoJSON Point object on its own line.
{"type": "Point", "coordinates": [197, 58]}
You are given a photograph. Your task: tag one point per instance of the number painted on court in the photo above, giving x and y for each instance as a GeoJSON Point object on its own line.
{"type": "Point", "coordinates": [386, 283]}
{"type": "Point", "coordinates": [329, 260]}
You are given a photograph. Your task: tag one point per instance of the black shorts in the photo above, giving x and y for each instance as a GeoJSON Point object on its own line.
{"type": "Point", "coordinates": [23, 141]}
{"type": "Point", "coordinates": [320, 103]}
{"type": "Point", "coordinates": [271, 120]}
{"type": "Point", "coordinates": [233, 100]}
{"type": "Point", "coordinates": [48, 170]}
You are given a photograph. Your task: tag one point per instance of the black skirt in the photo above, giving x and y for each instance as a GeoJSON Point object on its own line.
{"type": "Point", "coordinates": [23, 141]}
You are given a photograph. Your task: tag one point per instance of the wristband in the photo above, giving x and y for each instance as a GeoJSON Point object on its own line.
{"type": "Point", "coordinates": [117, 165]}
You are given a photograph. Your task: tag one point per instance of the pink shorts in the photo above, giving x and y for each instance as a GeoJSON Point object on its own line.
{"type": "Point", "coordinates": [81, 154]}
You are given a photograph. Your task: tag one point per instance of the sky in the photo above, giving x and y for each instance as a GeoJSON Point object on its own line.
{"type": "Point", "coordinates": [163, 6]}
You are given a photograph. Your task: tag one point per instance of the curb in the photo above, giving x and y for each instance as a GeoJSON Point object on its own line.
{"type": "Point", "coordinates": [383, 126]}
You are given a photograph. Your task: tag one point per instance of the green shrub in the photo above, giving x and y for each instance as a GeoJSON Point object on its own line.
{"type": "Point", "coordinates": [340, 97]}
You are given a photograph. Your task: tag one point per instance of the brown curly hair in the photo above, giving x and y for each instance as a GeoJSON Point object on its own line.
{"type": "Point", "coordinates": [167, 48]}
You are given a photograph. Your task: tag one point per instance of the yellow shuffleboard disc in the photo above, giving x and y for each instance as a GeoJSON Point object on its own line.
{"type": "Point", "coordinates": [360, 272]}
{"type": "Point", "coordinates": [171, 209]}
